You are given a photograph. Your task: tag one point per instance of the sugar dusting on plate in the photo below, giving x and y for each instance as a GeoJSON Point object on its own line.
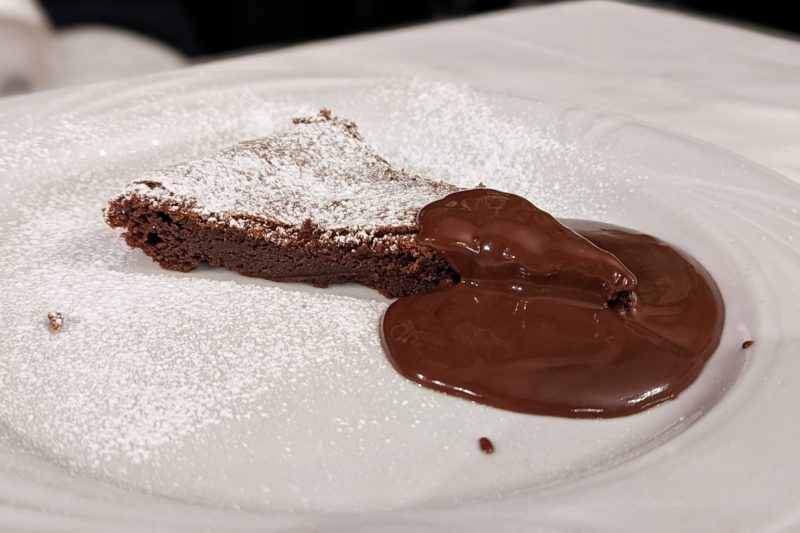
{"type": "Point", "coordinates": [149, 359]}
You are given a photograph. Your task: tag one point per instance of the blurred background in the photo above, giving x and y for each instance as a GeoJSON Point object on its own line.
{"type": "Point", "coordinates": [57, 43]}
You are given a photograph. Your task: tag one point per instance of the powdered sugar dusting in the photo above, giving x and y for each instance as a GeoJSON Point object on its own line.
{"type": "Point", "coordinates": [116, 382]}
{"type": "Point", "coordinates": [205, 383]}
{"type": "Point", "coordinates": [503, 151]}
{"type": "Point", "coordinates": [319, 170]}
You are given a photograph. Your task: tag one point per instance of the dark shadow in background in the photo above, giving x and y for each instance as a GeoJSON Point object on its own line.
{"type": "Point", "coordinates": [204, 28]}
{"type": "Point", "coordinates": [769, 14]}
{"type": "Point", "coordinates": [212, 27]}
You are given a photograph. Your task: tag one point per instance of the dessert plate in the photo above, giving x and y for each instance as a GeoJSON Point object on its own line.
{"type": "Point", "coordinates": [209, 401]}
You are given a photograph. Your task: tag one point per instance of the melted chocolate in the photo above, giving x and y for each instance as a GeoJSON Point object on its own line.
{"type": "Point", "coordinates": [551, 321]}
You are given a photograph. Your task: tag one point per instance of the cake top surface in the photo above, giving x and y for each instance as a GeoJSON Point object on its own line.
{"type": "Point", "coordinates": [319, 169]}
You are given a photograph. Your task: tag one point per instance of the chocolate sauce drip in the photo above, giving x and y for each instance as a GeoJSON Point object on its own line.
{"type": "Point", "coordinates": [490, 237]}
{"type": "Point", "coordinates": [551, 321]}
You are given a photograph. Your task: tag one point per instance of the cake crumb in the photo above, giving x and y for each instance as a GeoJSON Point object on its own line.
{"type": "Point", "coordinates": [486, 445]}
{"type": "Point", "coordinates": [747, 344]}
{"type": "Point", "coordinates": [481, 185]}
{"type": "Point", "coordinates": [55, 321]}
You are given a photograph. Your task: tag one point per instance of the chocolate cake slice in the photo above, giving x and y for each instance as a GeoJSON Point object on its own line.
{"type": "Point", "coordinates": [313, 203]}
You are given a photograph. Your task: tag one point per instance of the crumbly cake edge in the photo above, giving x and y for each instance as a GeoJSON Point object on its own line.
{"type": "Point", "coordinates": [259, 227]}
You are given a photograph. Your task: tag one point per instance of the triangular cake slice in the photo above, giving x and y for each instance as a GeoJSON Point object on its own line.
{"type": "Point", "coordinates": [313, 203]}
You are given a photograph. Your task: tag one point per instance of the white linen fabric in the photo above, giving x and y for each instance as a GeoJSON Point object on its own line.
{"type": "Point", "coordinates": [24, 40]}
{"type": "Point", "coordinates": [34, 57]}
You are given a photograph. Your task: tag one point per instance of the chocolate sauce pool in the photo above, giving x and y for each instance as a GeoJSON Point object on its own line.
{"type": "Point", "coordinates": [598, 322]}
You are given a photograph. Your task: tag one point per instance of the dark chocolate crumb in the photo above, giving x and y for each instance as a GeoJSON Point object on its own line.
{"type": "Point", "coordinates": [55, 321]}
{"type": "Point", "coordinates": [747, 344]}
{"type": "Point", "coordinates": [486, 445]}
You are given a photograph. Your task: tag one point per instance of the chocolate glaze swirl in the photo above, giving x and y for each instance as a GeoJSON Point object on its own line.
{"type": "Point", "coordinates": [552, 321]}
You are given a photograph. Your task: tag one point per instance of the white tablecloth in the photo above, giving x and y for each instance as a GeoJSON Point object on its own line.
{"type": "Point", "coordinates": [34, 56]}
{"type": "Point", "coordinates": [729, 86]}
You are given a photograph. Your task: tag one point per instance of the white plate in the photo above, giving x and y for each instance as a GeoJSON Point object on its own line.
{"type": "Point", "coordinates": [211, 401]}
